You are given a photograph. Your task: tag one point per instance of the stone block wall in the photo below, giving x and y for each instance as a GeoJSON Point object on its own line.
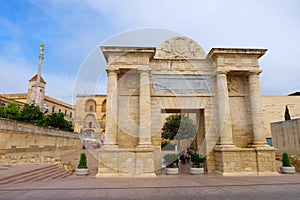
{"type": "Point", "coordinates": [286, 136]}
{"type": "Point", "coordinates": [28, 143]}
{"type": "Point", "coordinates": [241, 122]}
{"type": "Point", "coordinates": [126, 163]}
{"type": "Point", "coordinates": [246, 161]}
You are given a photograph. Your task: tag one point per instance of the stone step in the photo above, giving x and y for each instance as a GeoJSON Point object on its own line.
{"type": "Point", "coordinates": [52, 175]}
{"type": "Point", "coordinates": [63, 174]}
{"type": "Point", "coordinates": [43, 173]}
{"type": "Point", "coordinates": [22, 175]}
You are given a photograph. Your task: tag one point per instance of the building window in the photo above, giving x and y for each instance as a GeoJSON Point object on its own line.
{"type": "Point", "coordinates": [2, 105]}
{"type": "Point", "coordinates": [65, 112]}
{"type": "Point", "coordinates": [70, 114]}
{"type": "Point", "coordinates": [103, 108]}
{"type": "Point", "coordinates": [269, 141]}
{"type": "Point", "coordinates": [90, 124]}
{"type": "Point", "coordinates": [59, 110]}
{"type": "Point", "coordinates": [53, 109]}
{"type": "Point", "coordinates": [88, 134]}
{"type": "Point", "coordinates": [91, 108]}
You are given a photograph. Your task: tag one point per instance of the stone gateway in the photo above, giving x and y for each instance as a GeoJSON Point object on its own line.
{"type": "Point", "coordinates": [221, 87]}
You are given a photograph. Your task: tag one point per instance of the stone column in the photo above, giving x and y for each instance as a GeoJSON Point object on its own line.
{"type": "Point", "coordinates": [224, 111]}
{"type": "Point", "coordinates": [111, 125]}
{"type": "Point", "coordinates": [255, 106]}
{"type": "Point", "coordinates": [144, 109]}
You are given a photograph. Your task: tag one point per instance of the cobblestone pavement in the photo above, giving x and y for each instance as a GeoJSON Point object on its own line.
{"type": "Point", "coordinates": [161, 187]}
{"type": "Point", "coordinates": [183, 186]}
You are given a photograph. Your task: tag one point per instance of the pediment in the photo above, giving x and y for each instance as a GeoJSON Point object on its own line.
{"type": "Point", "coordinates": [180, 48]}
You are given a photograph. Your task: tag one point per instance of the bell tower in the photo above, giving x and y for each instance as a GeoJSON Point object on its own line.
{"type": "Point", "coordinates": [36, 89]}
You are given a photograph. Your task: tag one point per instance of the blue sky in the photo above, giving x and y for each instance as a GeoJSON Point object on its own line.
{"type": "Point", "coordinates": [73, 30]}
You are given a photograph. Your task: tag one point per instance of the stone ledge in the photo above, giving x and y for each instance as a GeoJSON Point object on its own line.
{"type": "Point", "coordinates": [132, 150]}
{"type": "Point", "coordinates": [247, 173]}
{"type": "Point", "coordinates": [124, 175]}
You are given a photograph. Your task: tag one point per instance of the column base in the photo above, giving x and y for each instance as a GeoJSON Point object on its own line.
{"type": "Point", "coordinates": [225, 146]}
{"type": "Point", "coordinates": [109, 175]}
{"type": "Point", "coordinates": [247, 173]}
{"type": "Point", "coordinates": [109, 147]}
{"type": "Point", "coordinates": [262, 144]}
{"type": "Point", "coordinates": [145, 147]}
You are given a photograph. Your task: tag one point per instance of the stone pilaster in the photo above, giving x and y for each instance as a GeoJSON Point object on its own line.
{"type": "Point", "coordinates": [255, 106]}
{"type": "Point", "coordinates": [111, 110]}
{"type": "Point", "coordinates": [144, 109]}
{"type": "Point", "coordinates": [224, 111]}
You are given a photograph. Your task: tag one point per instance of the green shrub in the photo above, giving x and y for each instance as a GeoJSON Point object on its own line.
{"type": "Point", "coordinates": [287, 115]}
{"type": "Point", "coordinates": [197, 159]}
{"type": "Point", "coordinates": [286, 160]}
{"type": "Point", "coordinates": [171, 160]}
{"type": "Point", "coordinates": [82, 162]}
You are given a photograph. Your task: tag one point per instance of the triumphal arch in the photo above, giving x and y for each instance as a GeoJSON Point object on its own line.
{"type": "Point", "coordinates": [221, 87]}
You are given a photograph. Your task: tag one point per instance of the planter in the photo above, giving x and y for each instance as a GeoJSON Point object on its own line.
{"type": "Point", "coordinates": [288, 170]}
{"type": "Point", "coordinates": [172, 171]}
{"type": "Point", "coordinates": [195, 171]}
{"type": "Point", "coordinates": [82, 172]}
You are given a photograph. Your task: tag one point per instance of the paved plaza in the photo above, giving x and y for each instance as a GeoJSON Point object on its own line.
{"type": "Point", "coordinates": [208, 186]}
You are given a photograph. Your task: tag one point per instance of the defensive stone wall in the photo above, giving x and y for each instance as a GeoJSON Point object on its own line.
{"type": "Point", "coordinates": [286, 136]}
{"type": "Point", "coordinates": [28, 143]}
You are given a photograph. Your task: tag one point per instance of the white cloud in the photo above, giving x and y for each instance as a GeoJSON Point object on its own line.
{"type": "Point", "coordinates": [14, 75]}
{"type": "Point", "coordinates": [80, 26]}
{"type": "Point", "coordinates": [261, 24]}
{"type": "Point", "coordinates": [59, 86]}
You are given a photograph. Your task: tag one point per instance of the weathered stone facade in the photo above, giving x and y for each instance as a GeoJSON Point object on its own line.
{"type": "Point", "coordinates": [178, 77]}
{"type": "Point", "coordinates": [91, 115]}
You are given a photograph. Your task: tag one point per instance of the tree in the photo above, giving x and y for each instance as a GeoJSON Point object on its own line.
{"type": "Point", "coordinates": [31, 114]}
{"type": "Point", "coordinates": [56, 120]}
{"type": "Point", "coordinates": [11, 111]}
{"type": "Point", "coordinates": [171, 127]}
{"type": "Point", "coordinates": [287, 113]}
{"type": "Point", "coordinates": [2, 112]}
{"type": "Point", "coordinates": [178, 127]}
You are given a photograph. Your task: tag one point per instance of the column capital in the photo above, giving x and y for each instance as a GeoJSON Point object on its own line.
{"type": "Point", "coordinates": [254, 72]}
{"type": "Point", "coordinates": [109, 70]}
{"type": "Point", "coordinates": [144, 69]}
{"type": "Point", "coordinates": [222, 72]}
